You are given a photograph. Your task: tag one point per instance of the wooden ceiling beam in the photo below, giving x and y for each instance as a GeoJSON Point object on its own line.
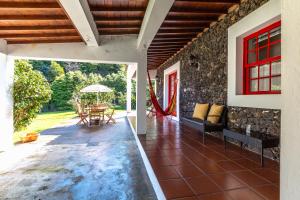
{"type": "Point", "coordinates": [98, 18]}
{"type": "Point", "coordinates": [12, 4]}
{"type": "Point", "coordinates": [211, 1]}
{"type": "Point", "coordinates": [172, 39]}
{"type": "Point", "coordinates": [119, 26]}
{"type": "Point", "coordinates": [118, 31]}
{"type": "Point", "coordinates": [33, 17]}
{"type": "Point", "coordinates": [162, 36]}
{"type": "Point", "coordinates": [162, 48]}
{"type": "Point", "coordinates": [161, 54]}
{"type": "Point", "coordinates": [57, 40]}
{"type": "Point", "coordinates": [198, 10]}
{"type": "Point", "coordinates": [100, 8]}
{"type": "Point", "coordinates": [166, 45]}
{"type": "Point", "coordinates": [180, 29]}
{"type": "Point", "coordinates": [188, 28]}
{"type": "Point", "coordinates": [191, 34]}
{"type": "Point", "coordinates": [31, 35]}
{"type": "Point", "coordinates": [188, 17]}
{"type": "Point", "coordinates": [36, 27]}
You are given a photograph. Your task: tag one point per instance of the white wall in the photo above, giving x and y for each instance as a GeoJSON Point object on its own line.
{"type": "Point", "coordinates": [112, 50]}
{"type": "Point", "coordinates": [266, 14]}
{"type": "Point", "coordinates": [6, 101]}
{"type": "Point", "coordinates": [141, 83]}
{"type": "Point", "coordinates": [290, 117]}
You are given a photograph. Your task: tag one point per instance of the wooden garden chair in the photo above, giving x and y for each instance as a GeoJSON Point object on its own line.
{"type": "Point", "coordinates": [82, 115]}
{"type": "Point", "coordinates": [109, 114]}
{"type": "Point", "coordinates": [151, 110]}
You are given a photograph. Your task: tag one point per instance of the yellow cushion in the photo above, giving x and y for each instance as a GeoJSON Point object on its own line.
{"type": "Point", "coordinates": [200, 111]}
{"type": "Point", "coordinates": [215, 113]}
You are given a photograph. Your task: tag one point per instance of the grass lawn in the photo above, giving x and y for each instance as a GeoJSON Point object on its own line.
{"type": "Point", "coordinates": [48, 120]}
{"type": "Point", "coordinates": [45, 121]}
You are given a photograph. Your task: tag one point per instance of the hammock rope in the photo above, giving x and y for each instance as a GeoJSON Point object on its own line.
{"type": "Point", "coordinates": [170, 108]}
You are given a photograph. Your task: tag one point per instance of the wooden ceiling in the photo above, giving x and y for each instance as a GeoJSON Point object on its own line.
{"type": "Point", "coordinates": [186, 19]}
{"type": "Point", "coordinates": [35, 21]}
{"type": "Point", "coordinates": [118, 17]}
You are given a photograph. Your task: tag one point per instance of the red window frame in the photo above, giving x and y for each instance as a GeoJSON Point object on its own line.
{"type": "Point", "coordinates": [258, 63]}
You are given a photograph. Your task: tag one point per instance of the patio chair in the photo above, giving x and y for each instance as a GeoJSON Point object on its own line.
{"type": "Point", "coordinates": [82, 115]}
{"type": "Point", "coordinates": [151, 110]}
{"type": "Point", "coordinates": [109, 114]}
{"type": "Point", "coordinates": [96, 115]}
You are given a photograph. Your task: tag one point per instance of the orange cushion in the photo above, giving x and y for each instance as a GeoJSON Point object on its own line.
{"type": "Point", "coordinates": [200, 111]}
{"type": "Point", "coordinates": [215, 113]}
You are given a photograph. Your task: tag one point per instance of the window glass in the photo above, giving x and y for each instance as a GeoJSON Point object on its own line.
{"type": "Point", "coordinates": [276, 68]}
{"type": "Point", "coordinates": [252, 44]}
{"type": "Point", "coordinates": [263, 39]}
{"type": "Point", "coordinates": [253, 85]}
{"type": "Point", "coordinates": [264, 70]}
{"type": "Point", "coordinates": [276, 83]}
{"type": "Point", "coordinates": [275, 50]}
{"type": "Point", "coordinates": [251, 57]}
{"type": "Point", "coordinates": [263, 53]}
{"type": "Point", "coordinates": [264, 84]}
{"type": "Point", "coordinates": [254, 72]}
{"type": "Point", "coordinates": [275, 34]}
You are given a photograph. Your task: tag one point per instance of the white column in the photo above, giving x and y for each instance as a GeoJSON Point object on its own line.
{"type": "Point", "coordinates": [141, 83]}
{"type": "Point", "coordinates": [129, 85]}
{"type": "Point", "coordinates": [290, 118]}
{"type": "Point", "coordinates": [6, 100]}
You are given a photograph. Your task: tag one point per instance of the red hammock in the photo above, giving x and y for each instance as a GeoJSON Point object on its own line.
{"type": "Point", "coordinates": [170, 109]}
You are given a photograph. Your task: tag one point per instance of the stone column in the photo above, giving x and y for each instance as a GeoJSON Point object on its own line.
{"type": "Point", "coordinates": [290, 118]}
{"type": "Point", "coordinates": [129, 85]}
{"type": "Point", "coordinates": [141, 83]}
{"type": "Point", "coordinates": [6, 100]}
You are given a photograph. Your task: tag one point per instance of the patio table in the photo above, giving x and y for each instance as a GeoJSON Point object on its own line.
{"type": "Point", "coordinates": [258, 139]}
{"type": "Point", "coordinates": [98, 112]}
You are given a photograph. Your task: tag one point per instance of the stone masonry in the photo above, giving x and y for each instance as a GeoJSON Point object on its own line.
{"type": "Point", "coordinates": [203, 68]}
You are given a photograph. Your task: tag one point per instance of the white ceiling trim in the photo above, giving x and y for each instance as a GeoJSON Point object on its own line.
{"type": "Point", "coordinates": [80, 14]}
{"type": "Point", "coordinates": [156, 12]}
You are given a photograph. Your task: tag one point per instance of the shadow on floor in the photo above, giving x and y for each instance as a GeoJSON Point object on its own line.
{"type": "Point", "coordinates": [80, 163]}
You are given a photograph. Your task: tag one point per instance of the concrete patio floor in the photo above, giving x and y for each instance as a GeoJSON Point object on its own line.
{"type": "Point", "coordinates": [73, 162]}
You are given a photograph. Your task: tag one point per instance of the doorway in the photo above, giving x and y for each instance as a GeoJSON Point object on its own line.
{"type": "Point", "coordinates": [172, 88]}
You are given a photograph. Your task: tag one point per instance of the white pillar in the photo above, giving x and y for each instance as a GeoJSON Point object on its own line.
{"type": "Point", "coordinates": [290, 118]}
{"type": "Point", "coordinates": [141, 83]}
{"type": "Point", "coordinates": [6, 100]}
{"type": "Point", "coordinates": [129, 85]}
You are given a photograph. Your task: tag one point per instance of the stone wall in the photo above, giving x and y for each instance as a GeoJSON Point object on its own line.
{"type": "Point", "coordinates": [203, 68]}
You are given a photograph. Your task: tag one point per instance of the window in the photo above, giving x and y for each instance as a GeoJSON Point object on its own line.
{"type": "Point", "coordinates": [262, 61]}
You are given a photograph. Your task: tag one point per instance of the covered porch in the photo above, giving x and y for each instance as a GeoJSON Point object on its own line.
{"type": "Point", "coordinates": [186, 168]}
{"type": "Point", "coordinates": [242, 54]}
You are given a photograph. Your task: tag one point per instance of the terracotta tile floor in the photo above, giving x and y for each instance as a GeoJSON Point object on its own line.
{"type": "Point", "coordinates": [188, 169]}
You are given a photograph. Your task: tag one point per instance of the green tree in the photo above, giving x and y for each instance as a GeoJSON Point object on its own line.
{"type": "Point", "coordinates": [63, 88]}
{"type": "Point", "coordinates": [30, 92]}
{"type": "Point", "coordinates": [100, 68]}
{"type": "Point", "coordinates": [55, 71]}
{"type": "Point", "coordinates": [118, 83]}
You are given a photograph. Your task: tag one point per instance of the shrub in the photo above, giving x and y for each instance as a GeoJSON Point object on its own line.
{"type": "Point", "coordinates": [30, 91]}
